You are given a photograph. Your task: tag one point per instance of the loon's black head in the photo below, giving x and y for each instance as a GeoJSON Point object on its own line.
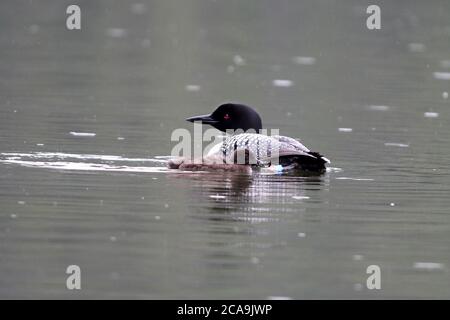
{"type": "Point", "coordinates": [231, 116]}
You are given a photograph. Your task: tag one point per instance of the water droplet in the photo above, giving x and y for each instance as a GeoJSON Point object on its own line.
{"type": "Point", "coordinates": [192, 88]}
{"type": "Point", "coordinates": [379, 108]}
{"type": "Point", "coordinates": [354, 179]}
{"type": "Point", "coordinates": [282, 83]}
{"type": "Point", "coordinates": [304, 60]}
{"type": "Point", "coordinates": [217, 196]}
{"type": "Point", "coordinates": [431, 114]}
{"type": "Point", "coordinates": [300, 197]}
{"type": "Point", "coordinates": [116, 32]}
{"type": "Point", "coordinates": [441, 75]}
{"type": "Point", "coordinates": [238, 60]}
{"type": "Point", "coordinates": [393, 144]}
{"type": "Point", "coordinates": [416, 47]}
{"type": "Point", "coordinates": [428, 266]}
{"type": "Point", "coordinates": [83, 134]}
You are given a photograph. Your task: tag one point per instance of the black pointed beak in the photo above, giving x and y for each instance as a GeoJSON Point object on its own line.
{"type": "Point", "coordinates": [206, 119]}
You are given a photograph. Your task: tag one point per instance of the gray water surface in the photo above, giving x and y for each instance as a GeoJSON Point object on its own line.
{"type": "Point", "coordinates": [374, 102]}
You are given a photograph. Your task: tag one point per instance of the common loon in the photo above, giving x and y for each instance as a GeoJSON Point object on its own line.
{"type": "Point", "coordinates": [244, 151]}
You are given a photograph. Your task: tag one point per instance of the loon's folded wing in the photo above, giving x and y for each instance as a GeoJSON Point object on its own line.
{"type": "Point", "coordinates": [265, 149]}
{"type": "Point", "coordinates": [291, 146]}
{"type": "Point", "coordinates": [292, 143]}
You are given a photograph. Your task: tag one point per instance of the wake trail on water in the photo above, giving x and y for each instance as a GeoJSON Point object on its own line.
{"type": "Point", "coordinates": [84, 162]}
{"type": "Point", "coordinates": [95, 162]}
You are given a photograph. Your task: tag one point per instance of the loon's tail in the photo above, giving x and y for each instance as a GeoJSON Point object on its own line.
{"type": "Point", "coordinates": [312, 162]}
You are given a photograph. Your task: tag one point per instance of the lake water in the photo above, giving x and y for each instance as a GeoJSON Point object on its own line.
{"type": "Point", "coordinates": [373, 101]}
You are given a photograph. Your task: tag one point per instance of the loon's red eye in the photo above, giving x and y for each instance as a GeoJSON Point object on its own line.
{"type": "Point", "coordinates": [226, 117]}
